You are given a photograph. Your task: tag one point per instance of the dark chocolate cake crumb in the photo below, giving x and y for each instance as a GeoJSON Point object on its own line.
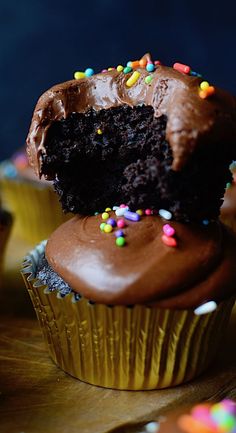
{"type": "Point", "coordinates": [103, 158]}
{"type": "Point", "coordinates": [50, 278]}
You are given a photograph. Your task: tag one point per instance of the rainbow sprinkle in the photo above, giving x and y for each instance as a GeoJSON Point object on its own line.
{"type": "Point", "coordinates": [210, 418]}
{"type": "Point", "coordinates": [205, 90]}
{"type": "Point", "coordinates": [133, 79]}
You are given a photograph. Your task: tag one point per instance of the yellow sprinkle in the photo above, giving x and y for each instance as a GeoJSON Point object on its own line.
{"type": "Point", "coordinates": [110, 69]}
{"type": "Point", "coordinates": [119, 68]}
{"type": "Point", "coordinates": [108, 209]}
{"type": "Point", "coordinates": [108, 228]}
{"type": "Point", "coordinates": [105, 215]}
{"type": "Point", "coordinates": [204, 85]}
{"type": "Point", "coordinates": [99, 131]}
{"type": "Point", "coordinates": [79, 75]}
{"type": "Point", "coordinates": [139, 212]}
{"type": "Point", "coordinates": [132, 80]}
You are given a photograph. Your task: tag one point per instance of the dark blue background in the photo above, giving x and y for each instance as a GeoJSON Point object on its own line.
{"type": "Point", "coordinates": [44, 42]}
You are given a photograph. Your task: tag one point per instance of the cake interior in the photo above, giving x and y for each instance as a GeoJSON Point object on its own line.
{"type": "Point", "coordinates": [108, 157]}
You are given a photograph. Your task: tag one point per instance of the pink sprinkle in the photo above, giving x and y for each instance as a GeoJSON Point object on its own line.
{"type": "Point", "coordinates": [157, 62]}
{"type": "Point", "coordinates": [201, 413]}
{"type": "Point", "coordinates": [170, 242]}
{"type": "Point", "coordinates": [121, 223]}
{"type": "Point", "coordinates": [168, 230]}
{"type": "Point", "coordinates": [104, 70]}
{"type": "Point", "coordinates": [148, 212]}
{"type": "Point", "coordinates": [123, 205]}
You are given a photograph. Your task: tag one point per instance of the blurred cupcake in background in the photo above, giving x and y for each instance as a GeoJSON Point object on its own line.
{"type": "Point", "coordinates": [33, 203]}
{"type": "Point", "coordinates": [228, 209]}
{"type": "Point", "coordinates": [5, 228]}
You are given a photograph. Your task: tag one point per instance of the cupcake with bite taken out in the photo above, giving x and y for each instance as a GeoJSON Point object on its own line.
{"type": "Point", "coordinates": [135, 291]}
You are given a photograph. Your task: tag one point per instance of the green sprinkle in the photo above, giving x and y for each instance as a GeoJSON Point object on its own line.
{"type": "Point", "coordinates": [127, 69]}
{"type": "Point", "coordinates": [102, 226]}
{"type": "Point", "coordinates": [148, 79]}
{"type": "Point", "coordinates": [96, 213]}
{"type": "Point", "coordinates": [120, 242]}
{"type": "Point", "coordinates": [228, 185]}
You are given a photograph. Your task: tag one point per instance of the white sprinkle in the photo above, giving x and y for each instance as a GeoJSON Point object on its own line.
{"type": "Point", "coordinates": [152, 427]}
{"type": "Point", "coordinates": [121, 211]}
{"type": "Point", "coordinates": [115, 207]}
{"type": "Point", "coordinates": [206, 308]}
{"type": "Point", "coordinates": [165, 214]}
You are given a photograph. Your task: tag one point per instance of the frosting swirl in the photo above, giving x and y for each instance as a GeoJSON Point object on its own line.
{"type": "Point", "coordinates": [199, 269]}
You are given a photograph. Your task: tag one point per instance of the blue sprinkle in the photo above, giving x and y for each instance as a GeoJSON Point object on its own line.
{"type": "Point", "coordinates": [167, 215]}
{"type": "Point", "coordinates": [89, 72]}
{"type": "Point", "coordinates": [8, 169]}
{"type": "Point", "coordinates": [205, 222]}
{"type": "Point", "coordinates": [119, 233]}
{"type": "Point", "coordinates": [195, 74]}
{"type": "Point", "coordinates": [150, 67]}
{"type": "Point", "coordinates": [129, 64]}
{"type": "Point", "coordinates": [132, 216]}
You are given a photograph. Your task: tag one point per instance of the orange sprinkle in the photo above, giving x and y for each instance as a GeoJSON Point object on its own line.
{"type": "Point", "coordinates": [191, 425]}
{"type": "Point", "coordinates": [169, 241]}
{"type": "Point", "coordinates": [203, 94]}
{"type": "Point", "coordinates": [135, 64]}
{"type": "Point", "coordinates": [207, 92]}
{"type": "Point", "coordinates": [142, 63]}
{"type": "Point", "coordinates": [211, 90]}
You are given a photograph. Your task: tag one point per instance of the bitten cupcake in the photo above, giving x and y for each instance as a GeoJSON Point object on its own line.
{"type": "Point", "coordinates": [34, 204]}
{"type": "Point", "coordinates": [136, 290]}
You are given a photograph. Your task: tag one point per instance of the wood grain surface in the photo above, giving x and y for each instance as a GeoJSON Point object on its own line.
{"type": "Point", "coordinates": [37, 397]}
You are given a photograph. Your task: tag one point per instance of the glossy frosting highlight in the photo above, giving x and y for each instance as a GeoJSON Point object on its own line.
{"type": "Point", "coordinates": [145, 271]}
{"type": "Point", "coordinates": [192, 121]}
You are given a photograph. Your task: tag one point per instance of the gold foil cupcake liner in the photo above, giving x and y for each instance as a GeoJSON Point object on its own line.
{"type": "Point", "coordinates": [35, 206]}
{"type": "Point", "coordinates": [136, 348]}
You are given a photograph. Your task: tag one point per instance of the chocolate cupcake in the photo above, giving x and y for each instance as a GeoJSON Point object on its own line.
{"type": "Point", "coordinates": [33, 203]}
{"type": "Point", "coordinates": [6, 221]}
{"type": "Point", "coordinates": [136, 296]}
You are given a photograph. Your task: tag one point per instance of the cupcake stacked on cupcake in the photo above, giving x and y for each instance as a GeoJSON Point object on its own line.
{"type": "Point", "coordinates": [135, 291]}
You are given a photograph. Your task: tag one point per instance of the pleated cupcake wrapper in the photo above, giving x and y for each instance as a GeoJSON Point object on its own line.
{"type": "Point", "coordinates": [35, 206]}
{"type": "Point", "coordinates": [125, 348]}
{"type": "Point", "coordinates": [5, 231]}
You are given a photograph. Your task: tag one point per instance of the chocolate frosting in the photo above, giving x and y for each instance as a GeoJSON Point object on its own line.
{"type": "Point", "coordinates": [145, 271]}
{"type": "Point", "coordinates": [192, 121]}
